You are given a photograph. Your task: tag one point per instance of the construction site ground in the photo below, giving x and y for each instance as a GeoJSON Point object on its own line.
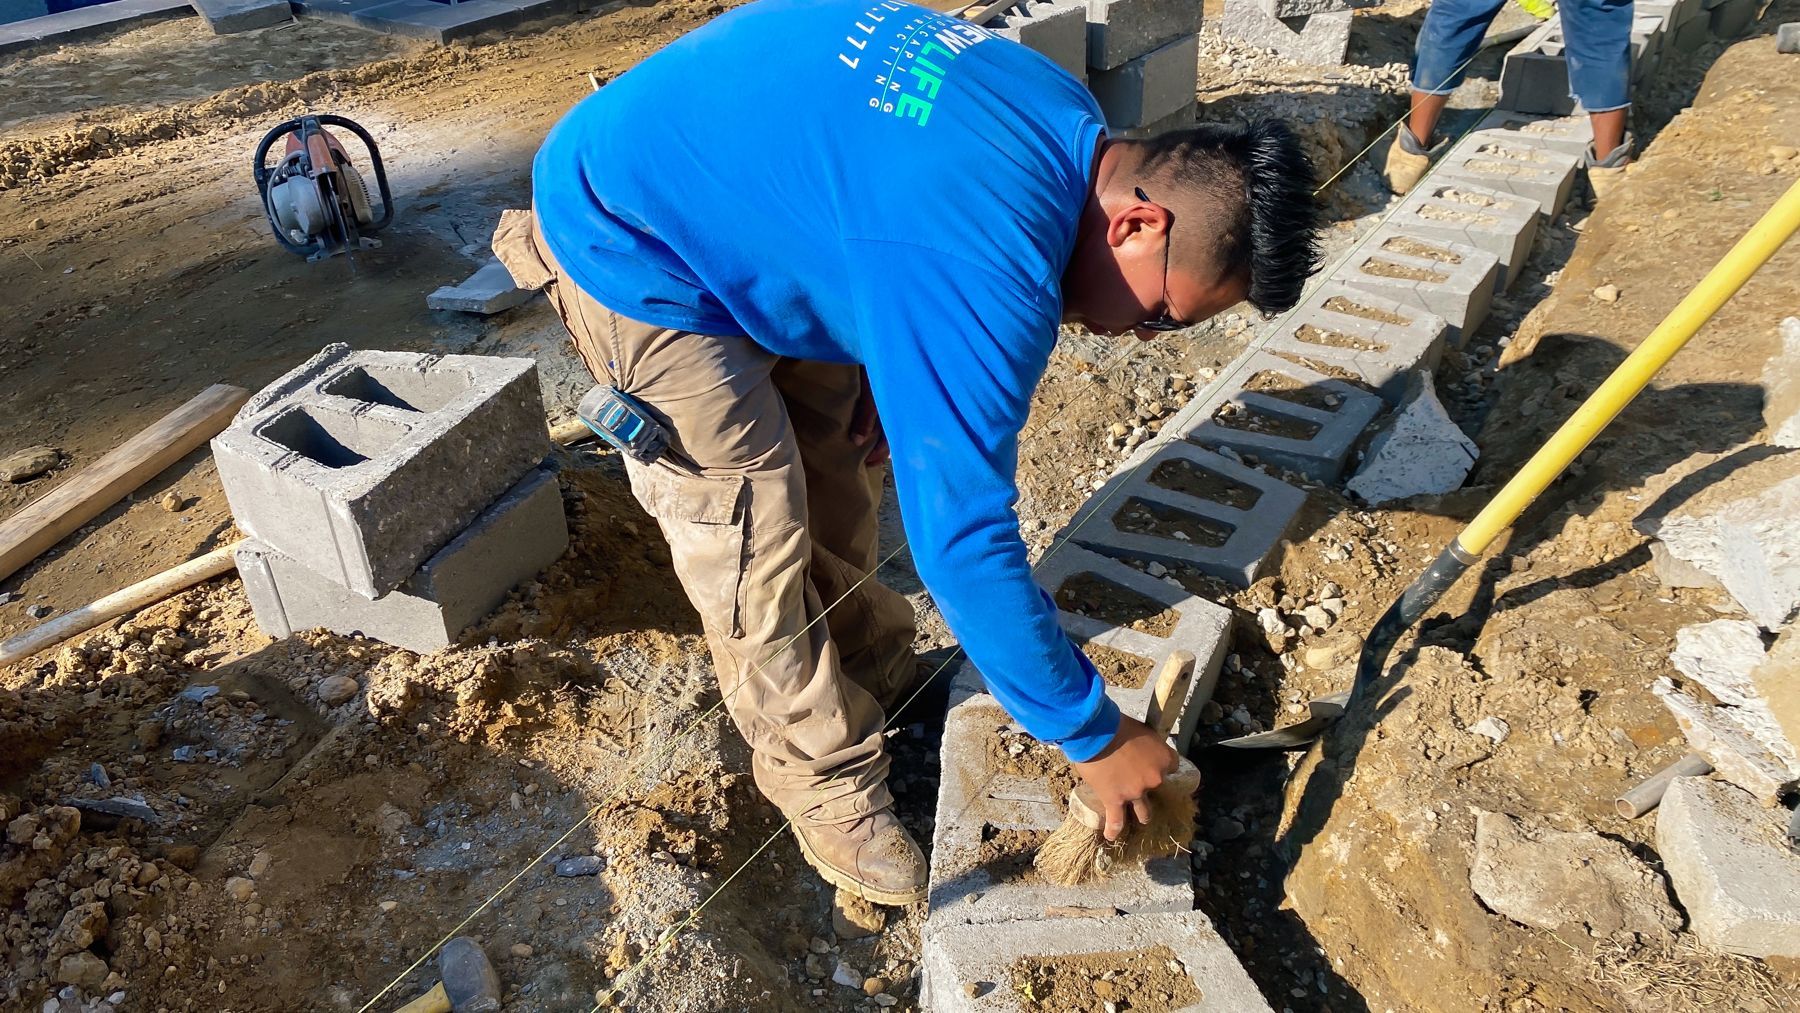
{"type": "Point", "coordinates": [307, 853]}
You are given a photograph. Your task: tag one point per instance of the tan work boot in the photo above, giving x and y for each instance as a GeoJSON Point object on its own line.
{"type": "Point", "coordinates": [1606, 173]}
{"type": "Point", "coordinates": [874, 858]}
{"type": "Point", "coordinates": [1408, 160]}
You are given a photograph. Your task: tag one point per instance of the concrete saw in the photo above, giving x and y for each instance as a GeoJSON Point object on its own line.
{"type": "Point", "coordinates": [317, 200]}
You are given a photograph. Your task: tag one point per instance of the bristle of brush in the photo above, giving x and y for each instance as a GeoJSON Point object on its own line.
{"type": "Point", "coordinates": [1074, 854]}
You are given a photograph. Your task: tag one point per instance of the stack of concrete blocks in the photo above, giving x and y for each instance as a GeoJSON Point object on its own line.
{"type": "Point", "coordinates": [987, 914]}
{"type": "Point", "coordinates": [1055, 28]}
{"type": "Point", "coordinates": [1306, 31]}
{"type": "Point", "coordinates": [396, 495]}
{"type": "Point", "coordinates": [1535, 77]}
{"type": "Point", "coordinates": [227, 17]}
{"type": "Point", "coordinates": [1143, 59]}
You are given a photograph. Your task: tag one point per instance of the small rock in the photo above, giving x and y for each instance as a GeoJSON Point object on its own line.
{"type": "Point", "coordinates": [847, 976]}
{"type": "Point", "coordinates": [816, 967]}
{"type": "Point", "coordinates": [874, 986]}
{"type": "Point", "coordinates": [1270, 621]}
{"type": "Point", "coordinates": [580, 865]}
{"type": "Point", "coordinates": [1329, 589]}
{"type": "Point", "coordinates": [28, 464]}
{"type": "Point", "coordinates": [387, 906]}
{"type": "Point", "coordinates": [197, 694]}
{"type": "Point", "coordinates": [884, 1000]}
{"type": "Point", "coordinates": [336, 689]}
{"type": "Point", "coordinates": [1155, 569]}
{"type": "Point", "coordinates": [239, 889]}
{"type": "Point", "coordinates": [1226, 829]}
{"type": "Point", "coordinates": [818, 945]}
{"type": "Point", "coordinates": [38, 611]}
{"type": "Point", "coordinates": [1316, 616]}
{"type": "Point", "coordinates": [971, 989]}
{"type": "Point", "coordinates": [172, 503]}
{"type": "Point", "coordinates": [1607, 293]}
{"type": "Point", "coordinates": [259, 866]}
{"type": "Point", "coordinates": [84, 970]}
{"type": "Point", "coordinates": [97, 774]}
{"type": "Point", "coordinates": [39, 225]}
{"type": "Point", "coordinates": [183, 856]}
{"type": "Point", "coordinates": [1783, 152]}
{"type": "Point", "coordinates": [855, 918]}
{"type": "Point", "coordinates": [522, 950]}
{"type": "Point", "coordinates": [1492, 727]}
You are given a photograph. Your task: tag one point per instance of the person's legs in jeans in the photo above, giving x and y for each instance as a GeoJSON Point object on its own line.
{"type": "Point", "coordinates": [1597, 47]}
{"type": "Point", "coordinates": [1449, 38]}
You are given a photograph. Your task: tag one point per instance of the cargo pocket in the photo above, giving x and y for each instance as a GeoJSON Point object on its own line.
{"type": "Point", "coordinates": [704, 520]}
{"type": "Point", "coordinates": [513, 245]}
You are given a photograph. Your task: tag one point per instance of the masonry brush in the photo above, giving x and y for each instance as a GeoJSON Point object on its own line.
{"type": "Point", "coordinates": [1078, 851]}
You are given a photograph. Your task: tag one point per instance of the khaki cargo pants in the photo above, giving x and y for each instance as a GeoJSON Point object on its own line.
{"type": "Point", "coordinates": [770, 515]}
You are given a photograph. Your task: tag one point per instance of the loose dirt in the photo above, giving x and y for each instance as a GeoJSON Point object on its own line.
{"type": "Point", "coordinates": [1146, 981]}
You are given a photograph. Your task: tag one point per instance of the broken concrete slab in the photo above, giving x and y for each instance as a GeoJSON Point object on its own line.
{"type": "Point", "coordinates": [1673, 573]}
{"type": "Point", "coordinates": [1120, 30]}
{"type": "Point", "coordinates": [1741, 530]}
{"type": "Point", "coordinates": [1732, 868]}
{"type": "Point", "coordinates": [1714, 733]}
{"type": "Point", "coordinates": [1460, 212]}
{"type": "Point", "coordinates": [971, 968]}
{"type": "Point", "coordinates": [1378, 340]}
{"type": "Point", "coordinates": [1419, 450]}
{"type": "Point", "coordinates": [1720, 655]}
{"type": "Point", "coordinates": [509, 543]}
{"type": "Point", "coordinates": [1781, 388]}
{"type": "Point", "coordinates": [1551, 879]}
{"type": "Point", "coordinates": [1777, 681]}
{"type": "Point", "coordinates": [1151, 87]}
{"type": "Point", "coordinates": [488, 291]}
{"type": "Point", "coordinates": [227, 17]}
{"type": "Point", "coordinates": [1245, 511]}
{"type": "Point", "coordinates": [362, 464]}
{"type": "Point", "coordinates": [1454, 281]}
{"type": "Point", "coordinates": [1512, 163]}
{"type": "Point", "coordinates": [1320, 39]}
{"type": "Point", "coordinates": [1058, 30]}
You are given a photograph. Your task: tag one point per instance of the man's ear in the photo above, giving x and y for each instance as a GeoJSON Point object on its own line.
{"type": "Point", "coordinates": [1139, 219]}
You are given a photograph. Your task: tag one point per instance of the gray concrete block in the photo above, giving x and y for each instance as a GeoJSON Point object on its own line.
{"type": "Point", "coordinates": [990, 823]}
{"type": "Point", "coordinates": [1200, 626]}
{"type": "Point", "coordinates": [1781, 388]}
{"type": "Point", "coordinates": [1418, 451]}
{"type": "Point", "coordinates": [1321, 40]}
{"type": "Point", "coordinates": [1150, 87]}
{"type": "Point", "coordinates": [1731, 868]}
{"type": "Point", "coordinates": [1691, 34]}
{"type": "Point", "coordinates": [1452, 280]}
{"type": "Point", "coordinates": [488, 291]}
{"type": "Point", "coordinates": [1120, 30]}
{"type": "Point", "coordinates": [1787, 38]}
{"type": "Point", "coordinates": [969, 968]}
{"type": "Point", "coordinates": [1058, 30]}
{"type": "Point", "coordinates": [1302, 8]}
{"type": "Point", "coordinates": [1180, 119]}
{"type": "Point", "coordinates": [1570, 134]}
{"type": "Point", "coordinates": [1534, 78]}
{"type": "Point", "coordinates": [1281, 413]}
{"type": "Point", "coordinates": [362, 464]}
{"type": "Point", "coordinates": [226, 17]}
{"type": "Point", "coordinates": [1379, 340]}
{"type": "Point", "coordinates": [1249, 510]}
{"type": "Point", "coordinates": [80, 23]}
{"type": "Point", "coordinates": [521, 534]}
{"type": "Point", "coordinates": [1511, 163]}
{"type": "Point", "coordinates": [1459, 212]}
{"type": "Point", "coordinates": [1732, 18]}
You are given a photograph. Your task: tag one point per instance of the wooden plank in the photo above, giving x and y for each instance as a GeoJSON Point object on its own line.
{"type": "Point", "coordinates": [53, 516]}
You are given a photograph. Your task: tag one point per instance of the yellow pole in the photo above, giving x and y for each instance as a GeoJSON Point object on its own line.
{"type": "Point", "coordinates": [1635, 373]}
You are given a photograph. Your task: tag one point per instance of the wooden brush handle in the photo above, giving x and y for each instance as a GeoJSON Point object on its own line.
{"type": "Point", "coordinates": [1172, 682]}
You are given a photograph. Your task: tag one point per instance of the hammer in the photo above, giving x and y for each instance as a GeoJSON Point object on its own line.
{"type": "Point", "coordinates": [468, 985]}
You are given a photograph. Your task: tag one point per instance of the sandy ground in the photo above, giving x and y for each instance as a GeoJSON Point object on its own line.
{"type": "Point", "coordinates": [582, 719]}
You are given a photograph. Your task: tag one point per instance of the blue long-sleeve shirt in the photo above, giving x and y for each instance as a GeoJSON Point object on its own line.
{"type": "Point", "coordinates": [867, 183]}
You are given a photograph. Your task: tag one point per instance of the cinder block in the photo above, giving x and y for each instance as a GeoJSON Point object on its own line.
{"type": "Point", "coordinates": [1570, 134]}
{"type": "Point", "coordinates": [1453, 280]}
{"type": "Point", "coordinates": [510, 542]}
{"type": "Point", "coordinates": [1511, 163]}
{"type": "Point", "coordinates": [1121, 30]}
{"type": "Point", "coordinates": [1459, 212]}
{"type": "Point", "coordinates": [1787, 38]}
{"type": "Point", "coordinates": [1180, 119]}
{"type": "Point", "coordinates": [361, 464]}
{"type": "Point", "coordinates": [1249, 510]}
{"type": "Point", "coordinates": [972, 968]}
{"type": "Point", "coordinates": [1150, 87]}
{"type": "Point", "coordinates": [1284, 9]}
{"type": "Point", "coordinates": [488, 291]}
{"type": "Point", "coordinates": [1535, 76]}
{"type": "Point", "coordinates": [1731, 868]}
{"type": "Point", "coordinates": [1200, 626]}
{"type": "Point", "coordinates": [1321, 40]}
{"type": "Point", "coordinates": [1731, 18]}
{"type": "Point", "coordinates": [990, 823]}
{"type": "Point", "coordinates": [1058, 30]}
{"type": "Point", "coordinates": [1379, 340]}
{"type": "Point", "coordinates": [1282, 413]}
{"type": "Point", "coordinates": [226, 17]}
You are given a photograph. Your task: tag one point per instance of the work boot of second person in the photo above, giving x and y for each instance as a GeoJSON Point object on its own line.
{"type": "Point", "coordinates": [1408, 160]}
{"type": "Point", "coordinates": [874, 858]}
{"type": "Point", "coordinates": [1604, 174]}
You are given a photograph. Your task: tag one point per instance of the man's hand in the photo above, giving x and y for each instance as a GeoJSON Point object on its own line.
{"type": "Point", "coordinates": [1135, 762]}
{"type": "Point", "coordinates": [865, 426]}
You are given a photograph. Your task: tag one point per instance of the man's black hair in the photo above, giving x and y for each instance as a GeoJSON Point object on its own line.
{"type": "Point", "coordinates": [1257, 178]}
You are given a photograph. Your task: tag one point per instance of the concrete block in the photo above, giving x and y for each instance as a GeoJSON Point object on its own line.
{"type": "Point", "coordinates": [1735, 755]}
{"type": "Point", "coordinates": [1459, 212]}
{"type": "Point", "coordinates": [1321, 39]}
{"type": "Point", "coordinates": [1571, 134]}
{"type": "Point", "coordinates": [1181, 621]}
{"type": "Point", "coordinates": [1781, 388]}
{"type": "Point", "coordinates": [1513, 164]}
{"type": "Point", "coordinates": [488, 291]}
{"type": "Point", "coordinates": [1302, 8]}
{"type": "Point", "coordinates": [995, 809]}
{"type": "Point", "coordinates": [1150, 87]}
{"type": "Point", "coordinates": [520, 535]}
{"type": "Point", "coordinates": [1282, 413]}
{"type": "Point", "coordinates": [1741, 531]}
{"type": "Point", "coordinates": [1731, 868]}
{"type": "Point", "coordinates": [1180, 119]}
{"type": "Point", "coordinates": [1121, 30]}
{"type": "Point", "coordinates": [1534, 78]}
{"type": "Point", "coordinates": [226, 17]}
{"type": "Point", "coordinates": [1417, 451]}
{"type": "Point", "coordinates": [974, 969]}
{"type": "Point", "coordinates": [1691, 34]}
{"type": "Point", "coordinates": [1240, 513]}
{"type": "Point", "coordinates": [1058, 30]}
{"type": "Point", "coordinates": [1787, 38]}
{"type": "Point", "coordinates": [1380, 341]}
{"type": "Point", "coordinates": [1455, 281]}
{"type": "Point", "coordinates": [1732, 18]}
{"type": "Point", "coordinates": [37, 26]}
{"type": "Point", "coordinates": [362, 464]}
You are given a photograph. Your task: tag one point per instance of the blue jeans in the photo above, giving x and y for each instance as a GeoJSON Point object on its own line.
{"type": "Point", "coordinates": [1596, 44]}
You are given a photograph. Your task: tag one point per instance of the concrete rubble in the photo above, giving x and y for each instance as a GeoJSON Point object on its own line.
{"type": "Point", "coordinates": [1740, 530]}
{"type": "Point", "coordinates": [1714, 733]}
{"type": "Point", "coordinates": [1732, 868]}
{"type": "Point", "coordinates": [1781, 388]}
{"type": "Point", "coordinates": [1550, 879]}
{"type": "Point", "coordinates": [488, 291]}
{"type": "Point", "coordinates": [1418, 451]}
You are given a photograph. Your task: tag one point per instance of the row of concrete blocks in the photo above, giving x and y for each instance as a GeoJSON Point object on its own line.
{"type": "Point", "coordinates": [393, 494]}
{"type": "Point", "coordinates": [1535, 75]}
{"type": "Point", "coordinates": [1139, 57]}
{"type": "Point", "coordinates": [1315, 32]}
